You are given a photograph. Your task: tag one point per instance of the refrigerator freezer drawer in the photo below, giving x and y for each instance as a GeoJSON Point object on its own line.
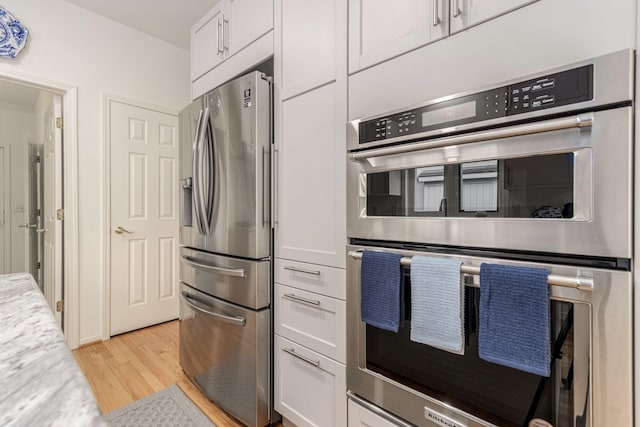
{"type": "Point", "coordinates": [240, 281]}
{"type": "Point", "coordinates": [225, 351]}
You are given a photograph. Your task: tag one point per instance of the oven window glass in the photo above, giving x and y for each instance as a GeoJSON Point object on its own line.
{"type": "Point", "coordinates": [428, 189]}
{"type": "Point", "coordinates": [539, 187]}
{"type": "Point", "coordinates": [479, 186]}
{"type": "Point", "coordinates": [501, 395]}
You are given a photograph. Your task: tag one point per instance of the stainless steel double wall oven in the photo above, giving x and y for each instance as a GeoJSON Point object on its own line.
{"type": "Point", "coordinates": [534, 172]}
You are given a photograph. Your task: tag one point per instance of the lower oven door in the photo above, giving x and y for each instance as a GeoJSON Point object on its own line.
{"type": "Point", "coordinates": [225, 351]}
{"type": "Point", "coordinates": [590, 383]}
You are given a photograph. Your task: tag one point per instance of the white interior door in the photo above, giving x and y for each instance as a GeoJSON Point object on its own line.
{"type": "Point", "coordinates": [4, 213]}
{"type": "Point", "coordinates": [144, 216]}
{"type": "Point", "coordinates": [34, 207]}
{"type": "Point", "coordinates": [52, 153]}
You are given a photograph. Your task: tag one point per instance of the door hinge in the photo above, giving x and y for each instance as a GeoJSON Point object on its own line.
{"type": "Point", "coordinates": [39, 265]}
{"type": "Point", "coordinates": [60, 305]}
{"type": "Point", "coordinates": [38, 159]}
{"type": "Point", "coordinates": [38, 212]}
{"type": "Point", "coordinates": [60, 214]}
{"type": "Point", "coordinates": [59, 122]}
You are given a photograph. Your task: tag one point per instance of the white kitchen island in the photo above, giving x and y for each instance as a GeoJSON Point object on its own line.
{"type": "Point", "coordinates": [40, 381]}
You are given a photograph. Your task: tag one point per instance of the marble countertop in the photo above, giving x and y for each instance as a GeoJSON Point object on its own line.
{"type": "Point", "coordinates": [40, 382]}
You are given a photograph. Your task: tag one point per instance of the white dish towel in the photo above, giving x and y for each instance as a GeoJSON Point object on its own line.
{"type": "Point", "coordinates": [437, 303]}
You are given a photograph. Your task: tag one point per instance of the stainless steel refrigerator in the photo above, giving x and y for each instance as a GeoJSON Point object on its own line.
{"type": "Point", "coordinates": [225, 247]}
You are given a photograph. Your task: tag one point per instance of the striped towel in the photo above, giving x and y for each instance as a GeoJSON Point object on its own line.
{"type": "Point", "coordinates": [437, 303]}
{"type": "Point", "coordinates": [514, 318]}
{"type": "Point", "coordinates": [381, 299]}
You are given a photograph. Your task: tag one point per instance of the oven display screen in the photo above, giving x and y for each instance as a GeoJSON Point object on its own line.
{"type": "Point", "coordinates": [449, 114]}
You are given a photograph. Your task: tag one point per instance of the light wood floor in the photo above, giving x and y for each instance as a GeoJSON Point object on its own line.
{"type": "Point", "coordinates": [131, 366]}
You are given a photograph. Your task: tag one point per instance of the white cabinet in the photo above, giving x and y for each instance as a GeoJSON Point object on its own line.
{"type": "Point", "coordinates": [248, 21]}
{"type": "Point", "coordinates": [310, 108]}
{"type": "Point", "coordinates": [308, 35]}
{"type": "Point", "coordinates": [207, 49]}
{"type": "Point", "coordinates": [314, 278]}
{"type": "Point", "coordinates": [311, 174]}
{"type": "Point", "coordinates": [466, 13]}
{"type": "Point", "coordinates": [315, 321]}
{"type": "Point", "coordinates": [231, 38]}
{"type": "Point", "coordinates": [309, 387]}
{"type": "Point", "coordinates": [382, 29]}
{"type": "Point", "coordinates": [359, 416]}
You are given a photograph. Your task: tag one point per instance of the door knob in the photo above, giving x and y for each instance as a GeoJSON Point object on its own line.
{"type": "Point", "coordinates": [27, 225]}
{"type": "Point", "coordinates": [121, 230]}
{"type": "Point", "coordinates": [41, 230]}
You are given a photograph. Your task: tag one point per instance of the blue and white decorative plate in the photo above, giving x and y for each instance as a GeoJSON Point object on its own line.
{"type": "Point", "coordinates": [13, 35]}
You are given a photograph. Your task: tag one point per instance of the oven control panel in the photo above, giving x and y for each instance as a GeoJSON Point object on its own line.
{"type": "Point", "coordinates": [553, 90]}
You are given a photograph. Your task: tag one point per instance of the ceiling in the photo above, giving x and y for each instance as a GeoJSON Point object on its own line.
{"type": "Point", "coordinates": [168, 20]}
{"type": "Point", "coordinates": [18, 94]}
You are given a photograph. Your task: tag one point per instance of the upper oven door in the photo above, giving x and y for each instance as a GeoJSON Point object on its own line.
{"type": "Point", "coordinates": [558, 186]}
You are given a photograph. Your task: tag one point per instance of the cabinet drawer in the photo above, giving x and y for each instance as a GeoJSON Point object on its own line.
{"type": "Point", "coordinates": [313, 320]}
{"type": "Point", "coordinates": [310, 389]}
{"type": "Point", "coordinates": [311, 277]}
{"type": "Point", "coordinates": [359, 416]}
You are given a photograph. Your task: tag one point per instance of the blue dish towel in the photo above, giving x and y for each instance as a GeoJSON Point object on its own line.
{"type": "Point", "coordinates": [381, 299]}
{"type": "Point", "coordinates": [437, 302]}
{"type": "Point", "coordinates": [514, 318]}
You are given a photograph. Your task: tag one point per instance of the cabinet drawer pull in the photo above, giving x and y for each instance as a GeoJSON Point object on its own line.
{"type": "Point", "coordinates": [302, 270]}
{"type": "Point", "coordinates": [292, 352]}
{"type": "Point", "coordinates": [296, 298]}
{"type": "Point", "coordinates": [220, 36]}
{"type": "Point", "coordinates": [225, 34]}
{"type": "Point", "coordinates": [436, 18]}
{"type": "Point", "coordinates": [456, 8]}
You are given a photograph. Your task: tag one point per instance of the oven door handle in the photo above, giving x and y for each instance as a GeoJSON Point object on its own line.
{"type": "Point", "coordinates": [202, 308]}
{"type": "Point", "coordinates": [574, 122]}
{"type": "Point", "coordinates": [579, 282]}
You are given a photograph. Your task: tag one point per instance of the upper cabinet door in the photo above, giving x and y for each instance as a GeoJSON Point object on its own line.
{"type": "Point", "coordinates": [466, 13]}
{"type": "Point", "coordinates": [380, 29]}
{"type": "Point", "coordinates": [248, 20]}
{"type": "Point", "coordinates": [306, 50]}
{"type": "Point", "coordinates": [207, 47]}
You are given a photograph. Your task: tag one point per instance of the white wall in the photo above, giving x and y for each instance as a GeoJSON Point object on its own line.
{"type": "Point", "coordinates": [71, 45]}
{"type": "Point", "coordinates": [17, 129]}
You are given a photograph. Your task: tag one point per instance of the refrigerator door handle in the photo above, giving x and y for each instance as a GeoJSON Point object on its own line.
{"type": "Point", "coordinates": [205, 309]}
{"type": "Point", "coordinates": [207, 164]}
{"type": "Point", "coordinates": [266, 182]}
{"type": "Point", "coordinates": [196, 183]}
{"type": "Point", "coordinates": [274, 185]}
{"type": "Point", "coordinates": [234, 272]}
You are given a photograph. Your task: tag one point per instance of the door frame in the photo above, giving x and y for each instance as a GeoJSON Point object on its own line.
{"type": "Point", "coordinates": [107, 98]}
{"type": "Point", "coordinates": [71, 264]}
{"type": "Point", "coordinates": [6, 204]}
